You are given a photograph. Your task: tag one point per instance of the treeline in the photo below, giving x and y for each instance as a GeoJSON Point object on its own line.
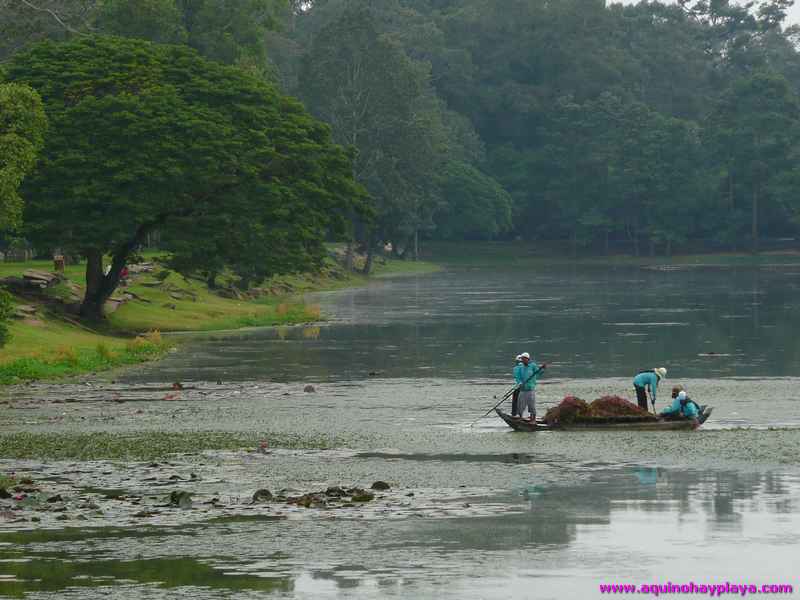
{"type": "Point", "coordinates": [649, 125]}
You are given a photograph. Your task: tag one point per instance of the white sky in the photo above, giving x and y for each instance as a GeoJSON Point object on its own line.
{"type": "Point", "coordinates": [793, 18]}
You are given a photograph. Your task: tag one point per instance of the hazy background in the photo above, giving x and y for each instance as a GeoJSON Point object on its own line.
{"type": "Point", "coordinates": [794, 12]}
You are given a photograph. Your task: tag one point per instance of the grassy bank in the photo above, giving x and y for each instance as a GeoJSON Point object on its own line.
{"type": "Point", "coordinates": [50, 344]}
{"type": "Point", "coordinates": [75, 357]}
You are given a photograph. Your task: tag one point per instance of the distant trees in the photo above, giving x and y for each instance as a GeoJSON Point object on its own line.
{"type": "Point", "coordinates": [145, 137]}
{"type": "Point", "coordinates": [379, 102]}
{"type": "Point", "coordinates": [754, 130]}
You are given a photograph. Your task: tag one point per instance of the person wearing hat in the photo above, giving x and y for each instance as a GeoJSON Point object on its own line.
{"type": "Point", "coordinates": [648, 379]}
{"type": "Point", "coordinates": [682, 406]}
{"type": "Point", "coordinates": [515, 395]}
{"type": "Point", "coordinates": [526, 374]}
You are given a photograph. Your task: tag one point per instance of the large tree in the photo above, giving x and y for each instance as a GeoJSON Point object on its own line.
{"type": "Point", "coordinates": [379, 102]}
{"type": "Point", "coordinates": [753, 131]}
{"type": "Point", "coordinates": [144, 136]}
{"type": "Point", "coordinates": [22, 127]}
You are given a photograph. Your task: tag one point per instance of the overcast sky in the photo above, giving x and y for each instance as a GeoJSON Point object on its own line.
{"type": "Point", "coordinates": [794, 12]}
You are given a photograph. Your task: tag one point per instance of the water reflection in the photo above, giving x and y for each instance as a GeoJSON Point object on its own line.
{"type": "Point", "coordinates": [643, 521]}
{"type": "Point", "coordinates": [587, 322]}
{"type": "Point", "coordinates": [722, 500]}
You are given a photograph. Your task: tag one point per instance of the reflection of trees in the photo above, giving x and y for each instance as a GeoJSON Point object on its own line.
{"type": "Point", "coordinates": [470, 324]}
{"type": "Point", "coordinates": [55, 574]}
{"type": "Point", "coordinates": [555, 512]}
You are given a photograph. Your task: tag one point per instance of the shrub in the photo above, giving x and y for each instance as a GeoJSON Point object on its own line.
{"type": "Point", "coordinates": [67, 355]}
{"type": "Point", "coordinates": [6, 312]}
{"type": "Point", "coordinates": [105, 353]}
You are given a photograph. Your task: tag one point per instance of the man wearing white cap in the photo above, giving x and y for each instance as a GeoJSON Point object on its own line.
{"type": "Point", "coordinates": [526, 375]}
{"type": "Point", "coordinates": [515, 395]}
{"type": "Point", "coordinates": [648, 379]}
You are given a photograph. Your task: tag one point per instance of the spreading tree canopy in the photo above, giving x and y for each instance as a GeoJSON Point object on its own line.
{"type": "Point", "coordinates": [151, 137]}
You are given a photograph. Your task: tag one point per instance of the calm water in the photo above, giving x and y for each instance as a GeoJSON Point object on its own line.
{"type": "Point", "coordinates": [402, 370]}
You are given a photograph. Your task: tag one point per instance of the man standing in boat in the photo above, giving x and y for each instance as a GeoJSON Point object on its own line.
{"type": "Point", "coordinates": [526, 374]}
{"type": "Point", "coordinates": [648, 379]}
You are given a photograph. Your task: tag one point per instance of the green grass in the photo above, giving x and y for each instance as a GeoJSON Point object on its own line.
{"type": "Point", "coordinates": [49, 346]}
{"type": "Point", "coordinates": [395, 268]}
{"type": "Point", "coordinates": [69, 361]}
{"type": "Point", "coordinates": [147, 445]}
{"type": "Point", "coordinates": [76, 273]}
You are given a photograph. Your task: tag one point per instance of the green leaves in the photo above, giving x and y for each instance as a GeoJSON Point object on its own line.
{"type": "Point", "coordinates": [149, 137]}
{"type": "Point", "coordinates": [22, 128]}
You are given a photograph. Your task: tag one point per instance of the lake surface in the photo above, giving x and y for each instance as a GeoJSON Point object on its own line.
{"type": "Point", "coordinates": [401, 372]}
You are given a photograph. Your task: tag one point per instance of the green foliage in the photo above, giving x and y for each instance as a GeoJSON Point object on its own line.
{"type": "Point", "coordinates": [22, 128]}
{"type": "Point", "coordinates": [229, 32]}
{"type": "Point", "coordinates": [147, 137]}
{"type": "Point", "coordinates": [6, 313]}
{"type": "Point", "coordinates": [475, 205]}
{"type": "Point", "coordinates": [155, 20]}
{"type": "Point", "coordinates": [380, 103]}
{"type": "Point", "coordinates": [754, 130]}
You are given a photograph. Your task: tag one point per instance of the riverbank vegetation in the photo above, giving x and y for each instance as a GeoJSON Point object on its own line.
{"type": "Point", "coordinates": [47, 341]}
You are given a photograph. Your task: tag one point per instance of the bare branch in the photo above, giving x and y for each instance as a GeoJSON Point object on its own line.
{"type": "Point", "coordinates": [52, 13]}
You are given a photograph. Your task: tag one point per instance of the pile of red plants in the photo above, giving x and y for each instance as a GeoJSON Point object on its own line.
{"type": "Point", "coordinates": [572, 409]}
{"type": "Point", "coordinates": [615, 406]}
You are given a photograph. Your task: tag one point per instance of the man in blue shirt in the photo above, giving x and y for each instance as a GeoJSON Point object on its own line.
{"type": "Point", "coordinates": [526, 374]}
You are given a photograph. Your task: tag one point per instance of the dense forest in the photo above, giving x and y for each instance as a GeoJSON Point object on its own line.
{"type": "Point", "coordinates": [640, 128]}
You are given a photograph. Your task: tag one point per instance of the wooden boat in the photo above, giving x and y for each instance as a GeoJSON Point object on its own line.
{"type": "Point", "coordinates": [615, 423]}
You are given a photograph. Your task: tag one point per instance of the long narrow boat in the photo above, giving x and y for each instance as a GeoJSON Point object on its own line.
{"type": "Point", "coordinates": [617, 423]}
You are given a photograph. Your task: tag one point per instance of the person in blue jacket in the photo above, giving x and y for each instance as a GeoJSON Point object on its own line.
{"type": "Point", "coordinates": [682, 406]}
{"type": "Point", "coordinates": [526, 374]}
{"type": "Point", "coordinates": [648, 379]}
{"type": "Point", "coordinates": [515, 395]}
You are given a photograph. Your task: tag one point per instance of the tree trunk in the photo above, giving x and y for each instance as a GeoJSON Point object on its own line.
{"type": "Point", "coordinates": [607, 243]}
{"type": "Point", "coordinates": [348, 257]}
{"type": "Point", "coordinates": [668, 249]}
{"type": "Point", "coordinates": [211, 280]}
{"type": "Point", "coordinates": [652, 247]}
{"type": "Point", "coordinates": [755, 220]}
{"type": "Point", "coordinates": [99, 286]}
{"type": "Point", "coordinates": [416, 244]}
{"type": "Point", "coordinates": [370, 254]}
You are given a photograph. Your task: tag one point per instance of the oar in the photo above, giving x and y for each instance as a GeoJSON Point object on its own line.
{"type": "Point", "coordinates": [507, 395]}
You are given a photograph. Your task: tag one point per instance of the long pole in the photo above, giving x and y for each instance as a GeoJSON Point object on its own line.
{"type": "Point", "coordinates": [507, 395]}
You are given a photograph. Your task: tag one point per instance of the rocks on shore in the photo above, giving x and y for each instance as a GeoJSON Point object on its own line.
{"type": "Point", "coordinates": [330, 498]}
{"type": "Point", "coordinates": [262, 495]}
